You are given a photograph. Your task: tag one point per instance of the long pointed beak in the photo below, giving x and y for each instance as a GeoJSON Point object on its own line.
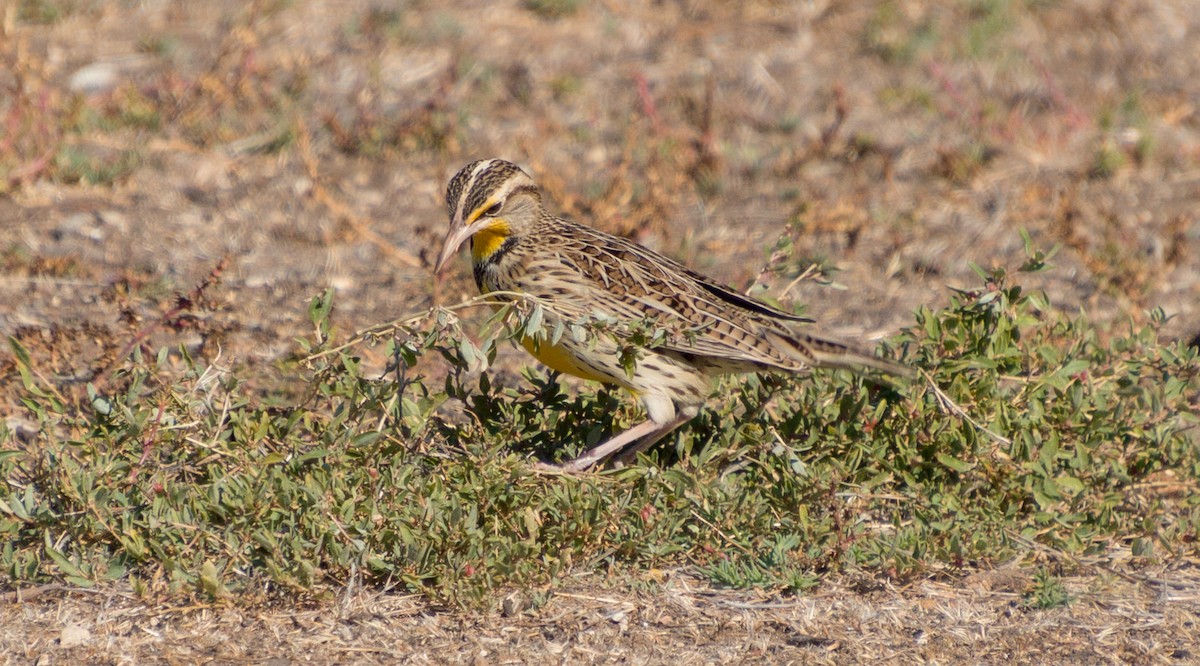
{"type": "Point", "coordinates": [458, 234]}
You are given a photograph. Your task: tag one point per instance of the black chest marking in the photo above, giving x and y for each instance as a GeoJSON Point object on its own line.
{"type": "Point", "coordinates": [493, 260]}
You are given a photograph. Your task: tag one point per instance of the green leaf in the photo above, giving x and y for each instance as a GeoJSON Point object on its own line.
{"type": "Point", "coordinates": [954, 463]}
{"type": "Point", "coordinates": [65, 565]}
{"type": "Point", "coordinates": [467, 351]}
{"type": "Point", "coordinates": [533, 324]}
{"type": "Point", "coordinates": [19, 351]}
{"type": "Point", "coordinates": [1069, 485]}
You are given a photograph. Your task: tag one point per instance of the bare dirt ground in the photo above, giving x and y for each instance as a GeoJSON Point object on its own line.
{"type": "Point", "coordinates": [979, 619]}
{"type": "Point", "coordinates": [311, 142]}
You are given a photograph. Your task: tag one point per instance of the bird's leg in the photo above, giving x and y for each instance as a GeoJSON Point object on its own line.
{"type": "Point", "coordinates": [607, 448]}
{"type": "Point", "coordinates": [628, 456]}
{"type": "Point", "coordinates": [648, 432]}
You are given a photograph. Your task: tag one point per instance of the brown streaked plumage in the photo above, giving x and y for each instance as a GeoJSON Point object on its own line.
{"type": "Point", "coordinates": [581, 273]}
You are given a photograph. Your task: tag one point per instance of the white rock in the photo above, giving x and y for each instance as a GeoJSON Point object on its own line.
{"type": "Point", "coordinates": [74, 635]}
{"type": "Point", "coordinates": [94, 78]}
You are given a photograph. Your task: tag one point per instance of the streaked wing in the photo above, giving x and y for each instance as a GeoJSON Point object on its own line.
{"type": "Point", "coordinates": [595, 272]}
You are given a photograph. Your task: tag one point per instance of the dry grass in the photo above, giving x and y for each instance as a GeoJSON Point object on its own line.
{"type": "Point", "coordinates": [1113, 619]}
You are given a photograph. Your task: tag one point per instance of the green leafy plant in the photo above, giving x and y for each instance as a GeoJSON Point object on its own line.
{"type": "Point", "coordinates": [1028, 426]}
{"type": "Point", "coordinates": [1047, 592]}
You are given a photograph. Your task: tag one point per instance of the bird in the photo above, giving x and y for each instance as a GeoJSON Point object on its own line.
{"type": "Point", "coordinates": [519, 247]}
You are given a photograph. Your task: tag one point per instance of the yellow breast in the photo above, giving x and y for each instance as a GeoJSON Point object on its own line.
{"type": "Point", "coordinates": [557, 358]}
{"type": "Point", "coordinates": [484, 244]}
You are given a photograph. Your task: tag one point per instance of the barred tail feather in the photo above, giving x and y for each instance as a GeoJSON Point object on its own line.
{"type": "Point", "coordinates": [820, 352]}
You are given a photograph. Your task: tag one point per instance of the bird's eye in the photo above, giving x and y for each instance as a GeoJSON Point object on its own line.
{"type": "Point", "coordinates": [494, 210]}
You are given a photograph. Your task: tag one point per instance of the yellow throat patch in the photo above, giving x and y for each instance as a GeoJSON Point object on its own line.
{"type": "Point", "coordinates": [486, 241]}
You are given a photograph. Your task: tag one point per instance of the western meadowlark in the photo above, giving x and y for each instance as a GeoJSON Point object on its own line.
{"type": "Point", "coordinates": [518, 246]}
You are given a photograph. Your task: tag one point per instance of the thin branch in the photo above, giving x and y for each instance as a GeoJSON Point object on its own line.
{"type": "Point", "coordinates": [406, 322]}
{"type": "Point", "coordinates": [946, 402]}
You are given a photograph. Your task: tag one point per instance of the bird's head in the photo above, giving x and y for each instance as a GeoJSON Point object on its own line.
{"type": "Point", "coordinates": [489, 201]}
